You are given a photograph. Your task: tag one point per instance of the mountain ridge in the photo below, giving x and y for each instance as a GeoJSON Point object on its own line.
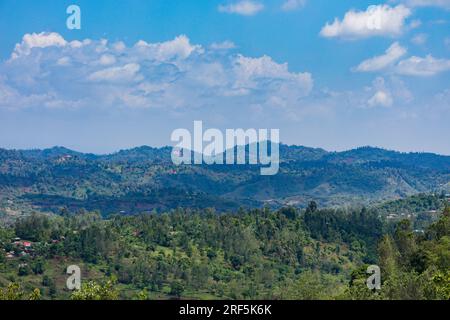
{"type": "Point", "coordinates": [60, 150]}
{"type": "Point", "coordinates": [144, 179]}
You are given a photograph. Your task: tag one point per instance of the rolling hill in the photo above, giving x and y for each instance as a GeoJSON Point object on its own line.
{"type": "Point", "coordinates": [144, 179]}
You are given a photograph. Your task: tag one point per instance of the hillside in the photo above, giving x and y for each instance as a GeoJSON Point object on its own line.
{"type": "Point", "coordinates": [144, 179]}
{"type": "Point", "coordinates": [197, 254]}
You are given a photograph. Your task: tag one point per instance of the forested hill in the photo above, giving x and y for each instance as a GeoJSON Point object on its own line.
{"type": "Point", "coordinates": [144, 179]}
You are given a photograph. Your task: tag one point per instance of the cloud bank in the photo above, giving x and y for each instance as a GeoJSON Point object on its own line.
{"type": "Point", "coordinates": [45, 70]}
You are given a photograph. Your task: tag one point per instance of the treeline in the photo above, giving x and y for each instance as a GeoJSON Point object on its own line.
{"type": "Point", "coordinates": [249, 254]}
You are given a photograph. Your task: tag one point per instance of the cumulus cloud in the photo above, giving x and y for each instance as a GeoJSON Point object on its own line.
{"type": "Point", "coordinates": [377, 20]}
{"type": "Point", "coordinates": [245, 8]}
{"type": "Point", "coordinates": [418, 66]}
{"type": "Point", "coordinates": [251, 70]}
{"type": "Point", "coordinates": [412, 66]}
{"type": "Point", "coordinates": [263, 76]}
{"type": "Point", "coordinates": [385, 92]}
{"type": "Point", "coordinates": [380, 94]}
{"type": "Point", "coordinates": [48, 71]}
{"type": "Point", "coordinates": [38, 40]}
{"type": "Point", "coordinates": [107, 59]}
{"type": "Point", "coordinates": [180, 47]}
{"type": "Point", "coordinates": [290, 5]}
{"type": "Point", "coordinates": [392, 54]}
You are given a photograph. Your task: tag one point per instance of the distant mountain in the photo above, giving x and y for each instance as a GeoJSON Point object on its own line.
{"type": "Point", "coordinates": [144, 179]}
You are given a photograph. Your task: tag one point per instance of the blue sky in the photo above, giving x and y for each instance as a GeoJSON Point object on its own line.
{"type": "Point", "coordinates": [331, 74]}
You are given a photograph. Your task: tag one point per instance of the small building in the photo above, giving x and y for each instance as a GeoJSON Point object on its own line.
{"type": "Point", "coordinates": [27, 244]}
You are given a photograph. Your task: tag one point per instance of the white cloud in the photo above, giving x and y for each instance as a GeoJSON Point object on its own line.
{"type": "Point", "coordinates": [412, 66]}
{"type": "Point", "coordinates": [263, 77]}
{"type": "Point", "coordinates": [380, 94]}
{"type": "Point", "coordinates": [379, 20]}
{"type": "Point", "coordinates": [290, 5]}
{"type": "Point", "coordinates": [38, 40]}
{"type": "Point", "coordinates": [380, 98]}
{"type": "Point", "coordinates": [250, 70]}
{"type": "Point", "coordinates": [245, 8]}
{"type": "Point", "coordinates": [107, 59]}
{"type": "Point", "coordinates": [392, 54]}
{"type": "Point", "coordinates": [385, 92]}
{"type": "Point", "coordinates": [418, 66]}
{"type": "Point", "coordinates": [180, 47]}
{"type": "Point", "coordinates": [76, 44]}
{"type": "Point", "coordinates": [175, 74]}
{"type": "Point", "coordinates": [420, 39]}
{"type": "Point", "coordinates": [226, 45]}
{"type": "Point", "coordinates": [126, 73]}
{"type": "Point", "coordinates": [119, 46]}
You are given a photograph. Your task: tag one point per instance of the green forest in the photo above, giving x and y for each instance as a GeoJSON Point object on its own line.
{"type": "Point", "coordinates": [287, 253]}
{"type": "Point", "coordinates": [139, 227]}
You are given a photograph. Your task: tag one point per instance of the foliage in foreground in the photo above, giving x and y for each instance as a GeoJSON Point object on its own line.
{"type": "Point", "coordinates": [258, 254]}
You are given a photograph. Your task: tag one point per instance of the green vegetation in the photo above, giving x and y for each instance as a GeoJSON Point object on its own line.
{"type": "Point", "coordinates": [117, 217]}
{"type": "Point", "coordinates": [414, 204]}
{"type": "Point", "coordinates": [250, 254]}
{"type": "Point", "coordinates": [413, 266]}
{"type": "Point", "coordinates": [96, 291]}
{"type": "Point", "coordinates": [14, 292]}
